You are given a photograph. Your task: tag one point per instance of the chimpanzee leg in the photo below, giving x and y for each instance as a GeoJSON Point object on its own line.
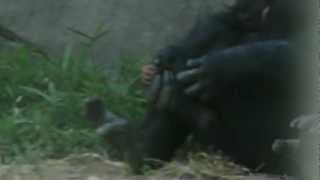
{"type": "Point", "coordinates": [206, 127]}
{"type": "Point", "coordinates": [163, 133]}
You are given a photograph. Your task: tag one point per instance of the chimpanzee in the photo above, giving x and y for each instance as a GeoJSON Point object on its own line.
{"type": "Point", "coordinates": [229, 83]}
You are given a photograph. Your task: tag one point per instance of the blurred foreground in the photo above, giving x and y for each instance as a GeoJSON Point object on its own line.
{"type": "Point", "coordinates": [95, 167]}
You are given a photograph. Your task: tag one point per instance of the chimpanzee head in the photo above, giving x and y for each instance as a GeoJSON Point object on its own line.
{"type": "Point", "coordinates": [249, 14]}
{"type": "Point", "coordinates": [275, 16]}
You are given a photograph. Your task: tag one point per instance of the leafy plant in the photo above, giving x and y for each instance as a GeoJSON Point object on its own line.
{"type": "Point", "coordinates": [42, 103]}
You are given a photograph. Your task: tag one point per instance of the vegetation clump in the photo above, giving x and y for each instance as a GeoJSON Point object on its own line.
{"type": "Point", "coordinates": [41, 103]}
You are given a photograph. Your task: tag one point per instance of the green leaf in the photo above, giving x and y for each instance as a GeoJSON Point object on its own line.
{"type": "Point", "coordinates": [67, 58]}
{"type": "Point", "coordinates": [39, 93]}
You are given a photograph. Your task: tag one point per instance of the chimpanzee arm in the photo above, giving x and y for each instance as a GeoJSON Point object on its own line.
{"type": "Point", "coordinates": [266, 60]}
{"type": "Point", "coordinates": [210, 33]}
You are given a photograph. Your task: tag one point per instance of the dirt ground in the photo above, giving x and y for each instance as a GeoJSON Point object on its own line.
{"type": "Point", "coordinates": [95, 167]}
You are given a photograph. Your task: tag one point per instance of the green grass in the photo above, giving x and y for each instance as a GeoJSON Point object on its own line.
{"type": "Point", "coordinates": [41, 103]}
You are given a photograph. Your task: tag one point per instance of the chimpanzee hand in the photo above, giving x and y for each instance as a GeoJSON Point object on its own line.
{"type": "Point", "coordinates": [197, 78]}
{"type": "Point", "coordinates": [162, 90]}
{"type": "Point", "coordinates": [205, 76]}
{"type": "Point", "coordinates": [148, 73]}
{"type": "Point", "coordinates": [307, 123]}
{"type": "Point", "coordinates": [208, 76]}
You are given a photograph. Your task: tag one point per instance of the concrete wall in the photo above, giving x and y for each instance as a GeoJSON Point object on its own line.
{"type": "Point", "coordinates": [136, 27]}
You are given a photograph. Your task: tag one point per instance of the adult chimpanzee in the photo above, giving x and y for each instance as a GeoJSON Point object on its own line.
{"type": "Point", "coordinates": [229, 83]}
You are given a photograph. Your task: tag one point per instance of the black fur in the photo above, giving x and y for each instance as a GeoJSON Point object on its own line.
{"type": "Point", "coordinates": [249, 65]}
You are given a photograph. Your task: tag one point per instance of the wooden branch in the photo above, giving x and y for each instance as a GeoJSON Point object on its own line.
{"type": "Point", "coordinates": [10, 35]}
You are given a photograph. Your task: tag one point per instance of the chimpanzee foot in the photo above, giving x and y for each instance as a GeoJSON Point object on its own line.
{"type": "Point", "coordinates": [101, 118]}
{"type": "Point", "coordinates": [113, 128]}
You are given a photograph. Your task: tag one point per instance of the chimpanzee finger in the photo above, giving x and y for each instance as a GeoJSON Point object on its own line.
{"type": "Point", "coordinates": [148, 79]}
{"type": "Point", "coordinates": [154, 89]}
{"type": "Point", "coordinates": [189, 76]}
{"type": "Point", "coordinates": [195, 62]}
{"type": "Point", "coordinates": [156, 61]}
{"type": "Point", "coordinates": [148, 71]}
{"type": "Point", "coordinates": [201, 90]}
{"type": "Point", "coordinates": [208, 92]}
{"type": "Point", "coordinates": [194, 89]}
{"type": "Point", "coordinates": [306, 122]}
{"type": "Point", "coordinates": [166, 90]}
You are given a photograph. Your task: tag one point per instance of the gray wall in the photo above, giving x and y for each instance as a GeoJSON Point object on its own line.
{"type": "Point", "coordinates": [136, 27]}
